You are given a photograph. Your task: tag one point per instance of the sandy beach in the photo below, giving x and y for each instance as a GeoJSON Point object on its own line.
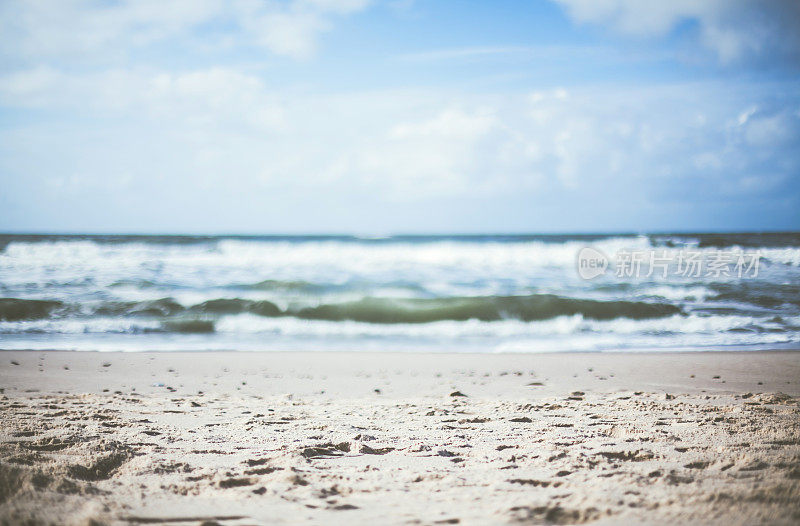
{"type": "Point", "coordinates": [344, 438]}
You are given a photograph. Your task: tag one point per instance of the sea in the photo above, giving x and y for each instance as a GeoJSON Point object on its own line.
{"type": "Point", "coordinates": [434, 293]}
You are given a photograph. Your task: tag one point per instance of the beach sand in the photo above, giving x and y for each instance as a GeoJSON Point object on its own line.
{"type": "Point", "coordinates": [369, 438]}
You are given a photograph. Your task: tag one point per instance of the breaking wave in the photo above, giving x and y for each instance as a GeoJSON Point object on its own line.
{"type": "Point", "coordinates": [368, 310]}
{"type": "Point", "coordinates": [494, 292]}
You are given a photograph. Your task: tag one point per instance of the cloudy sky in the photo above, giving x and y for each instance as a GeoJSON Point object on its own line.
{"type": "Point", "coordinates": [387, 116]}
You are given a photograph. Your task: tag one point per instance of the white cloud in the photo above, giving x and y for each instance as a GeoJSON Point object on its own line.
{"type": "Point", "coordinates": [40, 29]}
{"type": "Point", "coordinates": [638, 18]}
{"type": "Point", "coordinates": [732, 29]}
{"type": "Point", "coordinates": [290, 34]}
{"type": "Point", "coordinates": [745, 115]}
{"type": "Point", "coordinates": [84, 31]}
{"type": "Point", "coordinates": [220, 127]}
{"type": "Point", "coordinates": [211, 97]}
{"type": "Point", "coordinates": [30, 88]}
{"type": "Point", "coordinates": [291, 28]}
{"type": "Point", "coordinates": [449, 123]}
{"type": "Point", "coordinates": [227, 141]}
{"type": "Point", "coordinates": [103, 121]}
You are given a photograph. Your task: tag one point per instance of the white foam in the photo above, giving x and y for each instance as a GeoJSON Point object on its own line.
{"type": "Point", "coordinates": [83, 272]}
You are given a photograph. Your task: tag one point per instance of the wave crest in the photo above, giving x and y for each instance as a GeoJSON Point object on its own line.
{"type": "Point", "coordinates": [370, 309]}
{"type": "Point", "coordinates": [13, 309]}
{"type": "Point", "coordinates": [483, 308]}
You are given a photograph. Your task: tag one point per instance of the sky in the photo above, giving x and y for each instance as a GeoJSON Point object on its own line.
{"type": "Point", "coordinates": [399, 116]}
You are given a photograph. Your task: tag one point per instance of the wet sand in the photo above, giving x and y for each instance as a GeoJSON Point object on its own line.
{"type": "Point", "coordinates": [366, 438]}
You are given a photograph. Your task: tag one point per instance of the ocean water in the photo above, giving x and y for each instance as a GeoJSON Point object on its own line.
{"type": "Point", "coordinates": [405, 293]}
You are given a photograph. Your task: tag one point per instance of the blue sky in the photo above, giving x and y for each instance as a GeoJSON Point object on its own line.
{"type": "Point", "coordinates": [370, 116]}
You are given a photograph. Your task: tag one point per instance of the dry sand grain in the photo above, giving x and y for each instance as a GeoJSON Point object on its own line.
{"type": "Point", "coordinates": [279, 438]}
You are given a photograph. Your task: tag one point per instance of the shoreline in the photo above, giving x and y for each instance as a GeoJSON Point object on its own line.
{"type": "Point", "coordinates": [350, 373]}
{"type": "Point", "coordinates": [241, 438]}
{"type": "Point", "coordinates": [789, 347]}
{"type": "Point", "coordinates": [422, 350]}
